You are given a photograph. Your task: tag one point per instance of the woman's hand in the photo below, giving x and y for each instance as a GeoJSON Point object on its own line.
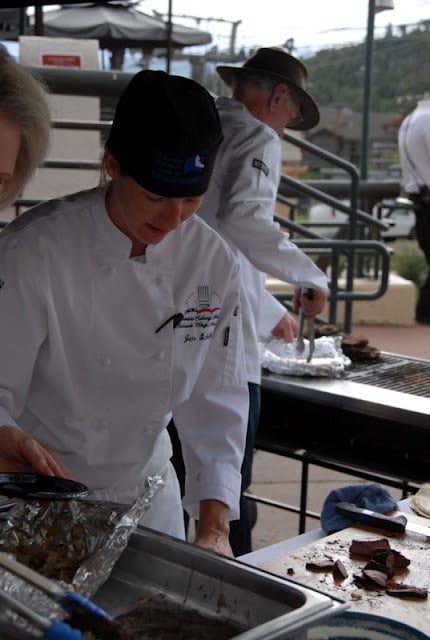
{"type": "Point", "coordinates": [20, 452]}
{"type": "Point", "coordinates": [286, 328]}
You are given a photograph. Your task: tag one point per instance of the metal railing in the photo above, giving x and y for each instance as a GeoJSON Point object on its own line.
{"type": "Point", "coordinates": [356, 252]}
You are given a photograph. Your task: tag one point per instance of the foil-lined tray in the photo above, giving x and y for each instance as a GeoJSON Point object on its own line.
{"type": "Point", "coordinates": [161, 588]}
{"type": "Point", "coordinates": [74, 542]}
{"type": "Point", "coordinates": [328, 359]}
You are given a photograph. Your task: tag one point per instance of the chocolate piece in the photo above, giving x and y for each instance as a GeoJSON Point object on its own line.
{"type": "Point", "coordinates": [321, 565]}
{"type": "Point", "coordinates": [355, 341]}
{"type": "Point", "coordinates": [364, 548]}
{"type": "Point", "coordinates": [372, 565]}
{"type": "Point", "coordinates": [379, 577]}
{"type": "Point", "coordinates": [326, 330]}
{"type": "Point", "coordinates": [361, 354]}
{"type": "Point", "coordinates": [364, 582]}
{"type": "Point", "coordinates": [339, 570]}
{"type": "Point", "coordinates": [400, 590]}
{"type": "Point", "coordinates": [400, 561]}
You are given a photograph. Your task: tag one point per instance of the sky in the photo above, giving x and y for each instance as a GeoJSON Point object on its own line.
{"type": "Point", "coordinates": [313, 24]}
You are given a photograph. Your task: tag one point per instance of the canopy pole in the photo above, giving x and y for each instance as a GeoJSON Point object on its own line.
{"type": "Point", "coordinates": [169, 37]}
{"type": "Point", "coordinates": [38, 20]}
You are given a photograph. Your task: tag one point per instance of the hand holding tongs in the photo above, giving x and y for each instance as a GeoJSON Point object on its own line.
{"type": "Point", "coordinates": [300, 343]}
{"type": "Point", "coordinates": [69, 601]}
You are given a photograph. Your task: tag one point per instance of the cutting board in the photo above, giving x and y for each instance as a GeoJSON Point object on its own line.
{"type": "Point", "coordinates": [416, 613]}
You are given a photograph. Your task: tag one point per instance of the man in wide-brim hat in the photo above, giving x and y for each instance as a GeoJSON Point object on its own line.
{"type": "Point", "coordinates": [276, 63]}
{"type": "Point", "coordinates": [268, 95]}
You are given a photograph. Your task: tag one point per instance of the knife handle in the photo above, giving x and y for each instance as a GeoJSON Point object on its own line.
{"type": "Point", "coordinates": [394, 524]}
{"type": "Point", "coordinates": [308, 292]}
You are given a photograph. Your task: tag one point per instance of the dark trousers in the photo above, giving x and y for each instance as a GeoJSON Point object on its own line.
{"type": "Point", "coordinates": [422, 216]}
{"type": "Point", "coordinates": [240, 530]}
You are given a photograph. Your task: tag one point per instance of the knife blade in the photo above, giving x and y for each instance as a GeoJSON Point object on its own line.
{"type": "Point", "coordinates": [393, 524]}
{"type": "Point", "coordinates": [300, 343]}
{"type": "Point", "coordinates": [311, 336]}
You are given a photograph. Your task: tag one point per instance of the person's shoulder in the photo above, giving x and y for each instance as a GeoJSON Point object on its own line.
{"type": "Point", "coordinates": [234, 113]}
{"type": "Point", "coordinates": [205, 236]}
{"type": "Point", "coordinates": [49, 212]}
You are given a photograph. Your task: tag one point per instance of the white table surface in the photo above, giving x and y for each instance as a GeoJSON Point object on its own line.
{"type": "Point", "coordinates": [273, 551]}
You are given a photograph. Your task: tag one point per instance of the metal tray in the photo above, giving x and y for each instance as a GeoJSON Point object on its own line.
{"type": "Point", "coordinates": [258, 604]}
{"type": "Point", "coordinates": [261, 604]}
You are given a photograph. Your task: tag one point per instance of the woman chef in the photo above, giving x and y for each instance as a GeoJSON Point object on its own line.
{"type": "Point", "coordinates": [120, 308]}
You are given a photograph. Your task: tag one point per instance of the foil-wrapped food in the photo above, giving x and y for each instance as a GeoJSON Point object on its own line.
{"type": "Point", "coordinates": [75, 542]}
{"type": "Point", "coordinates": [328, 359]}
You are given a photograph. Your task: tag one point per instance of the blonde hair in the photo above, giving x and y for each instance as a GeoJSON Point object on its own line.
{"type": "Point", "coordinates": [24, 101]}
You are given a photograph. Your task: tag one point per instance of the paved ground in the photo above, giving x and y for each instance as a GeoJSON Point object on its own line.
{"type": "Point", "coordinates": [278, 478]}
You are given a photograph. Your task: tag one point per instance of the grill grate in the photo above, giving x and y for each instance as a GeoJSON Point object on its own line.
{"type": "Point", "coordinates": [394, 373]}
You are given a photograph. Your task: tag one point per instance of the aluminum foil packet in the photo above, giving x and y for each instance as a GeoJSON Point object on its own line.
{"type": "Point", "coordinates": [74, 542]}
{"type": "Point", "coordinates": [328, 359]}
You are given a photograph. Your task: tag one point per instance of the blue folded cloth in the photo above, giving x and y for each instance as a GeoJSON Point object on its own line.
{"type": "Point", "coordinates": [365, 496]}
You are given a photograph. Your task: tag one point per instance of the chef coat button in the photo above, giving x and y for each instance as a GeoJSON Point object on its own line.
{"type": "Point", "coordinates": [107, 362]}
{"type": "Point", "coordinates": [159, 280]}
{"type": "Point", "coordinates": [149, 431]}
{"type": "Point", "coordinates": [161, 355]}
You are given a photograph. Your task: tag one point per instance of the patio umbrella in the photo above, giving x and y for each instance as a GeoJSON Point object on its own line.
{"type": "Point", "coordinates": [118, 25]}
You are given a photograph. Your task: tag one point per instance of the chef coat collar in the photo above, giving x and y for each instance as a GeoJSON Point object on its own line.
{"type": "Point", "coordinates": [113, 244]}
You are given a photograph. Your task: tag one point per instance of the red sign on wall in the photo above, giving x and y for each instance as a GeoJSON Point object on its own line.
{"type": "Point", "coordinates": [61, 60]}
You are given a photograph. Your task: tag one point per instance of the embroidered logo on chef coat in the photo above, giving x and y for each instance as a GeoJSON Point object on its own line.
{"type": "Point", "coordinates": [262, 166]}
{"type": "Point", "coordinates": [202, 310]}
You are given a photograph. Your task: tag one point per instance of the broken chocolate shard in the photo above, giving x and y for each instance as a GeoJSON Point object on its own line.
{"type": "Point", "coordinates": [339, 570]}
{"type": "Point", "coordinates": [321, 565]}
{"type": "Point", "coordinates": [378, 577]}
{"type": "Point", "coordinates": [364, 548]}
{"type": "Point", "coordinates": [399, 590]}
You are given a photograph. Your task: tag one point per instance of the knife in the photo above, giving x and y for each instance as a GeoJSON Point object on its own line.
{"type": "Point", "coordinates": [394, 524]}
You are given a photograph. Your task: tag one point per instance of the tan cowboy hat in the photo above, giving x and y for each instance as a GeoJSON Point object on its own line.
{"type": "Point", "coordinates": [276, 62]}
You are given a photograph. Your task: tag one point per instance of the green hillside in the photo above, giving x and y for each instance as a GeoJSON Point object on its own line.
{"type": "Point", "coordinates": [400, 67]}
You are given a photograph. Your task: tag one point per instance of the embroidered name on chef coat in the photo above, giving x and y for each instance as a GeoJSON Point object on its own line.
{"type": "Point", "coordinates": [202, 310]}
{"type": "Point", "coordinates": [262, 166]}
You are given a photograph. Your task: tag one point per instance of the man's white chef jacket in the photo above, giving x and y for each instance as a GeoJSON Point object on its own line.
{"type": "Point", "coordinates": [414, 147]}
{"type": "Point", "coordinates": [240, 206]}
{"type": "Point", "coordinates": [87, 367]}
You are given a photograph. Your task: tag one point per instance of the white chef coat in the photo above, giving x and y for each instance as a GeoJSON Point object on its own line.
{"type": "Point", "coordinates": [85, 371]}
{"type": "Point", "coordinates": [240, 206]}
{"type": "Point", "coordinates": [414, 147]}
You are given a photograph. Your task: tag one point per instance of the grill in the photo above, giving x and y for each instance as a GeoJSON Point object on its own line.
{"type": "Point", "coordinates": [397, 374]}
{"type": "Point", "coordinates": [373, 423]}
{"type": "Point", "coordinates": [375, 419]}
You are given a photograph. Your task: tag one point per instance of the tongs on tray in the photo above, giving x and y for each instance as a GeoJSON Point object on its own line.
{"type": "Point", "coordinates": [70, 601]}
{"type": "Point", "coordinates": [300, 343]}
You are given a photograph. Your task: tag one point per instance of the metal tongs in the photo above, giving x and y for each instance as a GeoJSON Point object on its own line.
{"type": "Point", "coordinates": [70, 601]}
{"type": "Point", "coordinates": [300, 343]}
